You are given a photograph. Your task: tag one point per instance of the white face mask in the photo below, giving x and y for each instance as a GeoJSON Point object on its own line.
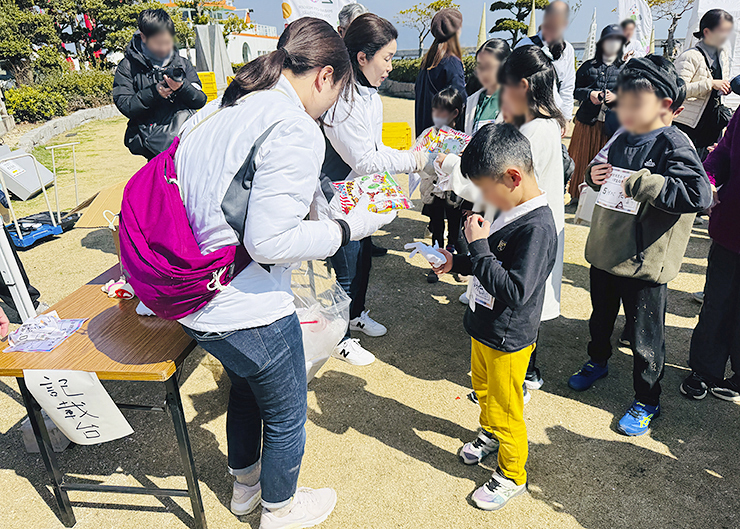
{"type": "Point", "coordinates": [440, 122]}
{"type": "Point", "coordinates": [611, 47]}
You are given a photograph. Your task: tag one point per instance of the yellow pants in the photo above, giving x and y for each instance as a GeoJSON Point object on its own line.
{"type": "Point", "coordinates": [497, 380]}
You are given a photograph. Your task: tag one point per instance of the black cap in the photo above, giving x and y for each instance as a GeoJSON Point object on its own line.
{"type": "Point", "coordinates": [612, 31]}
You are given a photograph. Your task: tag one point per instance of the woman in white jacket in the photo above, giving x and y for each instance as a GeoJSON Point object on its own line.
{"type": "Point", "coordinates": [270, 110]}
{"type": "Point", "coordinates": [705, 69]}
{"type": "Point", "coordinates": [354, 147]}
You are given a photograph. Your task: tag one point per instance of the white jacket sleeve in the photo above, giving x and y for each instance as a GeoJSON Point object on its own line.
{"type": "Point", "coordinates": [460, 185]}
{"type": "Point", "coordinates": [288, 166]}
{"type": "Point", "coordinates": [568, 83]}
{"type": "Point", "coordinates": [353, 137]}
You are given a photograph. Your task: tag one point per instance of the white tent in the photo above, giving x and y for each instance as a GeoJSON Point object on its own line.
{"type": "Point", "coordinates": [733, 46]}
{"type": "Point", "coordinates": [210, 53]}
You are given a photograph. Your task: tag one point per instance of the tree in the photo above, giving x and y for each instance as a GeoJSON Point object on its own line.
{"type": "Point", "coordinates": [671, 10]}
{"type": "Point", "coordinates": [517, 25]}
{"type": "Point", "coordinates": [419, 17]}
{"type": "Point", "coordinates": [22, 31]}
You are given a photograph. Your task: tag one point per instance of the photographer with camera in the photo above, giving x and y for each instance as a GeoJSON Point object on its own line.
{"type": "Point", "coordinates": [156, 88]}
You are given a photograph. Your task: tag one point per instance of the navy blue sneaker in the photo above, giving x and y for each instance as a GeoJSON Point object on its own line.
{"type": "Point", "coordinates": [585, 377]}
{"type": "Point", "coordinates": [638, 418]}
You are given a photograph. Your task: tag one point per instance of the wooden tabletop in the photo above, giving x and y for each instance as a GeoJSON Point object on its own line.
{"type": "Point", "coordinates": [114, 342]}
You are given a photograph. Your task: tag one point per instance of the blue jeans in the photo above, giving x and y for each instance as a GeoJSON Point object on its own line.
{"type": "Point", "coordinates": [352, 265]}
{"type": "Point", "coordinates": [267, 402]}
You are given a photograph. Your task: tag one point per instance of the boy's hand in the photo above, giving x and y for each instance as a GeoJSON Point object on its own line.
{"type": "Point", "coordinates": [445, 268]}
{"type": "Point", "coordinates": [5, 323]}
{"type": "Point", "coordinates": [477, 228]}
{"type": "Point", "coordinates": [440, 159]}
{"type": "Point", "coordinates": [600, 173]}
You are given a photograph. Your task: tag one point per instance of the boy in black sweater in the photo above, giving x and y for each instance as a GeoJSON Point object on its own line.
{"type": "Point", "coordinates": [648, 197]}
{"type": "Point", "coordinates": [510, 262]}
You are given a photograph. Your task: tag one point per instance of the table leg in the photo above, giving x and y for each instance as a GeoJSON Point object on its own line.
{"type": "Point", "coordinates": [47, 454]}
{"type": "Point", "coordinates": [186, 453]}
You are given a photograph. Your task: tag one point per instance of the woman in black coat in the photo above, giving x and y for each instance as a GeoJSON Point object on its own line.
{"type": "Point", "coordinates": [596, 85]}
{"type": "Point", "coordinates": [154, 87]}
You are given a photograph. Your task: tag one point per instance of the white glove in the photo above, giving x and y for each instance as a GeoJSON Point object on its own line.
{"type": "Point", "coordinates": [435, 258]}
{"type": "Point", "coordinates": [361, 221]}
{"type": "Point", "coordinates": [424, 161]}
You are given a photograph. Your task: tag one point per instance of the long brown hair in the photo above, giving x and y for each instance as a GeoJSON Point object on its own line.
{"type": "Point", "coordinates": [439, 50]}
{"type": "Point", "coordinates": [306, 44]}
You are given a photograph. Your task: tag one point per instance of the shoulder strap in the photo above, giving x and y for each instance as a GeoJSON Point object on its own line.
{"type": "Point", "coordinates": [235, 203]}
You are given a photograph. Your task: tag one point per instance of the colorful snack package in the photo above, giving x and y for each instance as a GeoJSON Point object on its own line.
{"type": "Point", "coordinates": [445, 140]}
{"type": "Point", "coordinates": [385, 194]}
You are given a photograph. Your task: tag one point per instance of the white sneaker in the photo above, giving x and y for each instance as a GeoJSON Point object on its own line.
{"type": "Point", "coordinates": [473, 453]}
{"type": "Point", "coordinates": [309, 507]}
{"type": "Point", "coordinates": [353, 353]}
{"type": "Point", "coordinates": [367, 325]}
{"type": "Point", "coordinates": [527, 394]}
{"type": "Point", "coordinates": [497, 492]}
{"type": "Point", "coordinates": [244, 499]}
{"type": "Point", "coordinates": [464, 298]}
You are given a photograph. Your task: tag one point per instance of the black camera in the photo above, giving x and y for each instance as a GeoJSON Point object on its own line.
{"type": "Point", "coordinates": [176, 73]}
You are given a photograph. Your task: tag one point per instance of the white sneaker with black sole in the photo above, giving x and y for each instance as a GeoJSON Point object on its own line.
{"type": "Point", "coordinates": [364, 323]}
{"type": "Point", "coordinates": [484, 445]}
{"type": "Point", "coordinates": [244, 499]}
{"type": "Point", "coordinates": [353, 353]}
{"type": "Point", "coordinates": [308, 508]}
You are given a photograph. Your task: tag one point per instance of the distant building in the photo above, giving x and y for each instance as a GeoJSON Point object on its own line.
{"type": "Point", "coordinates": [245, 46]}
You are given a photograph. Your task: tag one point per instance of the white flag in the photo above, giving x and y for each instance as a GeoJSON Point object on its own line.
{"type": "Point", "coordinates": [639, 11]}
{"type": "Point", "coordinates": [591, 39]}
{"type": "Point", "coordinates": [324, 9]}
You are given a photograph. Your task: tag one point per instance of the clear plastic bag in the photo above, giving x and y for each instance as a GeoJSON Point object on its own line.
{"type": "Point", "coordinates": [322, 307]}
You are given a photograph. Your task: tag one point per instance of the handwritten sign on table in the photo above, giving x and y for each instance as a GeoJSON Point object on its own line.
{"type": "Point", "coordinates": [78, 404]}
{"type": "Point", "coordinates": [612, 195]}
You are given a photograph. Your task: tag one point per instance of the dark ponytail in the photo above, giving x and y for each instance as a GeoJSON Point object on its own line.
{"type": "Point", "coordinates": [710, 21]}
{"type": "Point", "coordinates": [368, 33]}
{"type": "Point", "coordinates": [499, 48]}
{"type": "Point", "coordinates": [531, 63]}
{"type": "Point", "coordinates": [306, 44]}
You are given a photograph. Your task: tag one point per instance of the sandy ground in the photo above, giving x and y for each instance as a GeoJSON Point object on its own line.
{"type": "Point", "coordinates": [385, 436]}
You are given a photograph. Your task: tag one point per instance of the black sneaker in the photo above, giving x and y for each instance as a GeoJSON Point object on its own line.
{"type": "Point", "coordinates": [432, 277]}
{"type": "Point", "coordinates": [728, 389]}
{"type": "Point", "coordinates": [473, 397]}
{"type": "Point", "coordinates": [694, 387]}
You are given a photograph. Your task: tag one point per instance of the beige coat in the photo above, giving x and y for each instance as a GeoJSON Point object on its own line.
{"type": "Point", "coordinates": [693, 69]}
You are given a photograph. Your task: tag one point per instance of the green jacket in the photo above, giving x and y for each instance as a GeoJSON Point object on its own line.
{"type": "Point", "coordinates": [671, 186]}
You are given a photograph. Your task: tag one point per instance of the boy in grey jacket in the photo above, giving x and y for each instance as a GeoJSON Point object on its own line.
{"type": "Point", "coordinates": [641, 225]}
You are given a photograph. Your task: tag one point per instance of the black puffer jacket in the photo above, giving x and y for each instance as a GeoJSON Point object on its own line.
{"type": "Point", "coordinates": [594, 75]}
{"type": "Point", "coordinates": [135, 94]}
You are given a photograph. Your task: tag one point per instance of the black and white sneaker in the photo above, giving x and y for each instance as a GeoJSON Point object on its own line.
{"type": "Point", "coordinates": [694, 387]}
{"type": "Point", "coordinates": [728, 389]}
{"type": "Point", "coordinates": [474, 452]}
{"type": "Point", "coordinates": [533, 379]}
{"type": "Point", "coordinates": [473, 397]}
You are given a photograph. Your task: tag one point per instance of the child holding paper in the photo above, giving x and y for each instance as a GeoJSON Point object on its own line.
{"type": "Point", "coordinates": [640, 229]}
{"type": "Point", "coordinates": [510, 261]}
{"type": "Point", "coordinates": [447, 111]}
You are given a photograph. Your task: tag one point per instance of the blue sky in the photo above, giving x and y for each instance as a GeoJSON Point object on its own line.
{"type": "Point", "coordinates": [268, 12]}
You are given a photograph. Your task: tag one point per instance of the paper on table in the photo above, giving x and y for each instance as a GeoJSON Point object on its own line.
{"type": "Point", "coordinates": [78, 404]}
{"type": "Point", "coordinates": [612, 195]}
{"type": "Point", "coordinates": [42, 333]}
